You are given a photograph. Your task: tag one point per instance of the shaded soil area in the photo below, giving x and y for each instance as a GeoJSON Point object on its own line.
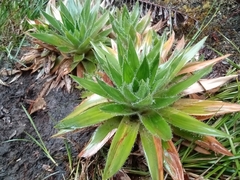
{"type": "Point", "coordinates": [25, 160]}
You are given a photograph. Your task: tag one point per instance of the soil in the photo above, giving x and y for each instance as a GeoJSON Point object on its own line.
{"type": "Point", "coordinates": [25, 160]}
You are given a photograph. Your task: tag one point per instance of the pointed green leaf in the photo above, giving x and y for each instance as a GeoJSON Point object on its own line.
{"type": "Point", "coordinates": [156, 125]}
{"type": "Point", "coordinates": [143, 72]}
{"type": "Point", "coordinates": [51, 39]}
{"type": "Point", "coordinates": [184, 84]}
{"type": "Point", "coordinates": [162, 102]}
{"type": "Point", "coordinates": [127, 72]}
{"type": "Point", "coordinates": [121, 146]}
{"type": "Point", "coordinates": [184, 121]}
{"type": "Point", "coordinates": [112, 92]}
{"type": "Point", "coordinates": [89, 117]}
{"type": "Point", "coordinates": [65, 13]}
{"type": "Point", "coordinates": [91, 101]}
{"type": "Point", "coordinates": [54, 22]}
{"type": "Point", "coordinates": [153, 154]}
{"type": "Point", "coordinates": [132, 56]}
{"type": "Point", "coordinates": [128, 94]}
{"type": "Point", "coordinates": [118, 109]}
{"type": "Point", "coordinates": [143, 103]}
{"type": "Point", "coordinates": [143, 23]}
{"type": "Point", "coordinates": [91, 86]}
{"type": "Point", "coordinates": [99, 24]}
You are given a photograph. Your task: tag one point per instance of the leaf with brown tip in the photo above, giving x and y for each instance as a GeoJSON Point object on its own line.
{"type": "Point", "coordinates": [197, 107]}
{"type": "Point", "coordinates": [172, 161]}
{"type": "Point", "coordinates": [152, 147]}
{"type": "Point", "coordinates": [207, 84]}
{"type": "Point", "coordinates": [167, 47]}
{"type": "Point", "coordinates": [209, 142]}
{"type": "Point", "coordinates": [195, 66]}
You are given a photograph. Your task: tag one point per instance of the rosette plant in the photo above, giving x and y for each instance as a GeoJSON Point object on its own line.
{"type": "Point", "coordinates": [150, 78]}
{"type": "Point", "coordinates": [70, 27]}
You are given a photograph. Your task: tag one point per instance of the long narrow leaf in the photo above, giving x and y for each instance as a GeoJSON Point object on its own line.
{"type": "Point", "coordinates": [208, 84]}
{"type": "Point", "coordinates": [172, 161]}
{"type": "Point", "coordinates": [197, 107]}
{"type": "Point", "coordinates": [153, 153]}
{"type": "Point", "coordinates": [89, 117]}
{"type": "Point", "coordinates": [118, 109]}
{"type": "Point", "coordinates": [91, 86]}
{"type": "Point", "coordinates": [102, 134]}
{"type": "Point", "coordinates": [121, 146]}
{"type": "Point", "coordinates": [179, 87]}
{"type": "Point", "coordinates": [186, 122]}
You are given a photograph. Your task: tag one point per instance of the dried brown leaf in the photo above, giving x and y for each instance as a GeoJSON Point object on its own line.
{"type": "Point", "coordinates": [167, 47]}
{"type": "Point", "coordinates": [172, 162]}
{"type": "Point", "coordinates": [209, 142]}
{"type": "Point", "coordinates": [30, 56]}
{"type": "Point", "coordinates": [207, 84]}
{"type": "Point", "coordinates": [3, 83]}
{"type": "Point", "coordinates": [38, 104]}
{"type": "Point", "coordinates": [195, 66]}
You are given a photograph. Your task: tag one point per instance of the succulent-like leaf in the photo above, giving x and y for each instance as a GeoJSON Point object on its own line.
{"type": "Point", "coordinates": [127, 73]}
{"type": "Point", "coordinates": [101, 135]}
{"type": "Point", "coordinates": [118, 109]}
{"type": "Point", "coordinates": [89, 117]}
{"type": "Point", "coordinates": [121, 146]}
{"type": "Point", "coordinates": [186, 122]}
{"type": "Point", "coordinates": [91, 101]}
{"type": "Point", "coordinates": [54, 22]}
{"type": "Point", "coordinates": [197, 107]}
{"type": "Point", "coordinates": [153, 152]}
{"type": "Point", "coordinates": [184, 84]}
{"type": "Point", "coordinates": [128, 93]}
{"type": "Point", "coordinates": [162, 102]}
{"type": "Point", "coordinates": [51, 39]}
{"type": "Point", "coordinates": [134, 62]}
{"type": "Point", "coordinates": [156, 125]}
{"type": "Point", "coordinates": [91, 86]}
{"type": "Point", "coordinates": [178, 63]}
{"type": "Point", "coordinates": [143, 72]}
{"type": "Point", "coordinates": [112, 92]}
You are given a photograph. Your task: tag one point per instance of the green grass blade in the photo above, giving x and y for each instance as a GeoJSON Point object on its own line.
{"type": "Point", "coordinates": [121, 146]}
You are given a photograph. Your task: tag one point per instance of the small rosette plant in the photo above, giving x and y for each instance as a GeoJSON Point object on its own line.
{"type": "Point", "coordinates": [149, 80]}
{"type": "Point", "coordinates": [71, 26]}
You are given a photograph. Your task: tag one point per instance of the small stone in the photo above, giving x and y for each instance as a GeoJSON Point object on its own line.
{"type": "Point", "coordinates": [6, 111]}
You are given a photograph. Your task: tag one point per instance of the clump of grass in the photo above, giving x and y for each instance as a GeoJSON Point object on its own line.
{"type": "Point", "coordinates": [13, 22]}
